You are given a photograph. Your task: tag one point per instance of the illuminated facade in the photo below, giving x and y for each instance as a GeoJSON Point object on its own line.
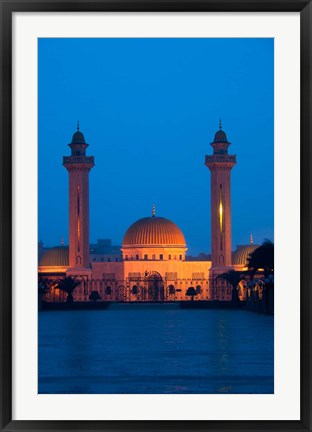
{"type": "Point", "coordinates": [154, 265]}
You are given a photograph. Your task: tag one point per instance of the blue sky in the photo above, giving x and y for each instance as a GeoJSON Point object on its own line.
{"type": "Point", "coordinates": [149, 108]}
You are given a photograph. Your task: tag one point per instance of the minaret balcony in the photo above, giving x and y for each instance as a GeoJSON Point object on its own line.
{"type": "Point", "coordinates": [220, 158]}
{"type": "Point", "coordinates": [78, 160]}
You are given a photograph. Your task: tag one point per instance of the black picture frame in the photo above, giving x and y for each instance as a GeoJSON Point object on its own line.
{"type": "Point", "coordinates": [8, 7]}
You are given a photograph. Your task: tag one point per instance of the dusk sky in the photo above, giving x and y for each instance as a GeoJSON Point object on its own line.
{"type": "Point", "coordinates": [149, 109]}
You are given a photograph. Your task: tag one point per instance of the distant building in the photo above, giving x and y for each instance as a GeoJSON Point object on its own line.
{"type": "Point", "coordinates": [200, 257]}
{"type": "Point", "coordinates": [103, 251]}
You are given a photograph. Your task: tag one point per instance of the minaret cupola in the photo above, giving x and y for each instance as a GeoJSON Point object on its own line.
{"type": "Point", "coordinates": [220, 143]}
{"type": "Point", "coordinates": [78, 144]}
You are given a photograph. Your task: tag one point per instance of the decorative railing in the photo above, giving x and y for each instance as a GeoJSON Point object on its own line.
{"type": "Point", "coordinates": [221, 158]}
{"type": "Point", "coordinates": [78, 159]}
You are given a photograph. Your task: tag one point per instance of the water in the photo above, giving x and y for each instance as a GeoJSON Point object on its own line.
{"type": "Point", "coordinates": [155, 349]}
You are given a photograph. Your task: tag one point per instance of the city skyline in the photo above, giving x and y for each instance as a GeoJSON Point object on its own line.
{"type": "Point", "coordinates": [149, 125]}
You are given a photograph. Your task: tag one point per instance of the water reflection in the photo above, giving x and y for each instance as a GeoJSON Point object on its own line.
{"type": "Point", "coordinates": [155, 350]}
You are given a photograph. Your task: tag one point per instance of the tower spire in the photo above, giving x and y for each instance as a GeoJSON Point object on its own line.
{"type": "Point", "coordinates": [153, 210]}
{"type": "Point", "coordinates": [78, 165]}
{"type": "Point", "coordinates": [251, 239]}
{"type": "Point", "coordinates": [220, 164]}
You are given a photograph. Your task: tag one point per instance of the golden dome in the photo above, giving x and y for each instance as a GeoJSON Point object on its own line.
{"type": "Point", "coordinates": [55, 257]}
{"type": "Point", "coordinates": [239, 257]}
{"type": "Point", "coordinates": [154, 231]}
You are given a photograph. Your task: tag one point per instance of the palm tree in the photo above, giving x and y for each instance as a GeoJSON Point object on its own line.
{"type": "Point", "coordinates": [262, 258]}
{"type": "Point", "coordinates": [43, 288]}
{"type": "Point", "coordinates": [68, 284]}
{"type": "Point", "coordinates": [233, 277]}
{"type": "Point", "coordinates": [191, 292]}
{"type": "Point", "coordinates": [43, 285]}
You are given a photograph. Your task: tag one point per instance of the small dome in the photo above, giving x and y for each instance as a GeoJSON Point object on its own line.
{"type": "Point", "coordinates": [78, 138]}
{"type": "Point", "coordinates": [240, 256]}
{"type": "Point", "coordinates": [55, 257]}
{"type": "Point", "coordinates": [154, 231]}
{"type": "Point", "coordinates": [220, 137]}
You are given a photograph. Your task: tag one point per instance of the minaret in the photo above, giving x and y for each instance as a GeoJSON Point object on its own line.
{"type": "Point", "coordinates": [78, 166]}
{"type": "Point", "coordinates": [220, 165]}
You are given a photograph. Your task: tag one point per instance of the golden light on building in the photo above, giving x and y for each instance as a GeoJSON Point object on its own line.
{"type": "Point", "coordinates": [221, 213]}
{"type": "Point", "coordinates": [153, 265]}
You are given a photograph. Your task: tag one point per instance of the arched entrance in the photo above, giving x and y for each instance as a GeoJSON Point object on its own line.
{"type": "Point", "coordinates": [154, 286]}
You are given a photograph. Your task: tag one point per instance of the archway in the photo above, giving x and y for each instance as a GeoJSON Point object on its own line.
{"type": "Point", "coordinates": [155, 286]}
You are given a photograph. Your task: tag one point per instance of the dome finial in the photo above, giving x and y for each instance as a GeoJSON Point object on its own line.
{"type": "Point", "coordinates": [78, 126]}
{"type": "Point", "coordinates": [153, 210]}
{"type": "Point", "coordinates": [220, 124]}
{"type": "Point", "coordinates": [251, 239]}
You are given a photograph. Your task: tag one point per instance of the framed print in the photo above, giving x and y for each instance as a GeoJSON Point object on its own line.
{"type": "Point", "coordinates": [155, 215]}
